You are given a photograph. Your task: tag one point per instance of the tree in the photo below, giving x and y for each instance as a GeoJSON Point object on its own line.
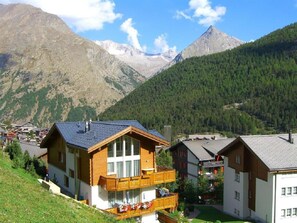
{"type": "Point", "coordinates": [202, 184]}
{"type": "Point", "coordinates": [14, 150]}
{"type": "Point", "coordinates": [164, 159]}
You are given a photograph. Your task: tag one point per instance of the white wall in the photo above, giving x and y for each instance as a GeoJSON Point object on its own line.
{"type": "Point", "coordinates": [264, 199]}
{"type": "Point", "coordinates": [192, 166]}
{"type": "Point", "coordinates": [288, 201]}
{"type": "Point", "coordinates": [57, 173]}
{"type": "Point", "coordinates": [230, 186]}
{"type": "Point", "coordinates": [148, 194]}
{"type": "Point", "coordinates": [70, 165]}
{"type": "Point", "coordinates": [149, 218]}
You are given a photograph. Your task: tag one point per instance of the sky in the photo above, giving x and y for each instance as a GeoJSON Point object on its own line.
{"type": "Point", "coordinates": [155, 26]}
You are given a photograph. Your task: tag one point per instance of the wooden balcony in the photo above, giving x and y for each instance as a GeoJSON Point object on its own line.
{"type": "Point", "coordinates": [169, 202]}
{"type": "Point", "coordinates": [146, 180]}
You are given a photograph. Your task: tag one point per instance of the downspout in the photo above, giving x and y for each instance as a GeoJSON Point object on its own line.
{"type": "Point", "coordinates": [274, 215]}
{"type": "Point", "coordinates": [76, 180]}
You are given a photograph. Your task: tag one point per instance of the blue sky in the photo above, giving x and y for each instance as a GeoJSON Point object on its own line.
{"type": "Point", "coordinates": [158, 25]}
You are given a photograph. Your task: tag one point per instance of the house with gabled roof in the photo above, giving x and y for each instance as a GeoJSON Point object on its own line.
{"type": "Point", "coordinates": [112, 165]}
{"type": "Point", "coordinates": [260, 178]}
{"type": "Point", "coordinates": [194, 157]}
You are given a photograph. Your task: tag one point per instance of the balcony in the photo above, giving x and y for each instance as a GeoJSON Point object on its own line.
{"type": "Point", "coordinates": [148, 179]}
{"type": "Point", "coordinates": [157, 204]}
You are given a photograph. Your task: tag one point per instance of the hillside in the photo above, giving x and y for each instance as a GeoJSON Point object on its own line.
{"type": "Point", "coordinates": [250, 89]}
{"type": "Point", "coordinates": [22, 199]}
{"type": "Point", "coordinates": [48, 73]}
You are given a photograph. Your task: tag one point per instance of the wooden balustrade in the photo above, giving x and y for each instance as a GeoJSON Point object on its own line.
{"type": "Point", "coordinates": [162, 203]}
{"type": "Point", "coordinates": [145, 180]}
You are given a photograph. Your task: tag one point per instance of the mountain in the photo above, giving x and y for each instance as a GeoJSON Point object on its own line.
{"type": "Point", "coordinates": [250, 89]}
{"type": "Point", "coordinates": [146, 64]}
{"type": "Point", "coordinates": [212, 41]}
{"type": "Point", "coordinates": [48, 73]}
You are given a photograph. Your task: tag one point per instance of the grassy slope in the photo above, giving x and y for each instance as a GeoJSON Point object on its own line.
{"type": "Point", "coordinates": [22, 199]}
{"type": "Point", "coordinates": [210, 214]}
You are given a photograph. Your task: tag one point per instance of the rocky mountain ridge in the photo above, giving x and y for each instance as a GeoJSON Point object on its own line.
{"type": "Point", "coordinates": [144, 63]}
{"type": "Point", "coordinates": [39, 53]}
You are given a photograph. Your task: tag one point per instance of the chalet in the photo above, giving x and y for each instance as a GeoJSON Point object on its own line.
{"type": "Point", "coordinates": [260, 178]}
{"type": "Point", "coordinates": [110, 164]}
{"type": "Point", "coordinates": [195, 157]}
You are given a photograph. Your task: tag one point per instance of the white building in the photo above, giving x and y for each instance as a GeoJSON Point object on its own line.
{"type": "Point", "coordinates": [111, 165]}
{"type": "Point", "coordinates": [260, 178]}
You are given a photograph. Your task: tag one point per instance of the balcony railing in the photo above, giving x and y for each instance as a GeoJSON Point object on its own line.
{"type": "Point", "coordinates": [146, 180]}
{"type": "Point", "coordinates": [157, 204]}
{"type": "Point", "coordinates": [213, 164]}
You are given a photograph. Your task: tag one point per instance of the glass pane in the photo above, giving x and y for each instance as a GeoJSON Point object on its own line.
{"type": "Point", "coordinates": [110, 167]}
{"type": "Point", "coordinates": [119, 197]}
{"type": "Point", "coordinates": [120, 172]}
{"type": "Point", "coordinates": [128, 146]}
{"type": "Point", "coordinates": [128, 168]}
{"type": "Point", "coordinates": [136, 196]}
{"type": "Point", "coordinates": [111, 199]}
{"type": "Point", "coordinates": [119, 147]}
{"type": "Point", "coordinates": [136, 145]}
{"type": "Point", "coordinates": [110, 150]}
{"type": "Point", "coordinates": [136, 167]}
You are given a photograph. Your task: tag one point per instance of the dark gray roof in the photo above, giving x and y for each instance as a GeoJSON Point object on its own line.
{"type": "Point", "coordinates": [275, 151]}
{"type": "Point", "coordinates": [196, 147]}
{"type": "Point", "coordinates": [214, 146]}
{"type": "Point", "coordinates": [33, 149]}
{"type": "Point", "coordinates": [74, 132]}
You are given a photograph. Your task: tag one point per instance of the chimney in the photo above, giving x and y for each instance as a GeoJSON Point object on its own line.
{"type": "Point", "coordinates": [291, 140]}
{"type": "Point", "coordinates": [87, 126]}
{"type": "Point", "coordinates": [167, 132]}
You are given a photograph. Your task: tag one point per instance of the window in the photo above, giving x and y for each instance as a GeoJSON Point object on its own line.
{"type": "Point", "coordinates": [136, 147]}
{"type": "Point", "coordinates": [294, 213]}
{"type": "Point", "coordinates": [283, 191]}
{"type": "Point", "coordinates": [123, 157]}
{"type": "Point", "coordinates": [66, 181]}
{"type": "Point", "coordinates": [128, 148]}
{"type": "Point", "coordinates": [237, 159]}
{"type": "Point", "coordinates": [136, 167]}
{"type": "Point", "coordinates": [283, 213]}
{"type": "Point", "coordinates": [110, 167]}
{"type": "Point", "coordinates": [237, 195]}
{"type": "Point", "coordinates": [289, 190]}
{"type": "Point", "coordinates": [289, 212]}
{"type": "Point", "coordinates": [110, 150]}
{"type": "Point", "coordinates": [120, 197]}
{"type": "Point", "coordinates": [71, 173]}
{"type": "Point", "coordinates": [237, 177]}
{"type": "Point", "coordinates": [295, 190]}
{"type": "Point", "coordinates": [61, 157]}
{"type": "Point", "coordinates": [119, 147]}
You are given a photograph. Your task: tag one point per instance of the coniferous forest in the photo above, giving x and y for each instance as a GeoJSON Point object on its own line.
{"type": "Point", "coordinates": [251, 89]}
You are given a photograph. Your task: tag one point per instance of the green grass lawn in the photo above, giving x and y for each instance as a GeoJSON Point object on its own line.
{"type": "Point", "coordinates": [22, 199]}
{"type": "Point", "coordinates": [210, 214]}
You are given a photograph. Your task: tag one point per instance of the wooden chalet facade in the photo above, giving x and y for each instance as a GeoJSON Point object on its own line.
{"type": "Point", "coordinates": [110, 164]}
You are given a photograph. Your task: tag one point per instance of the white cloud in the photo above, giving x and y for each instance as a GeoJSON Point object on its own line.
{"type": "Point", "coordinates": [82, 15]}
{"type": "Point", "coordinates": [128, 28]}
{"type": "Point", "coordinates": [203, 12]}
{"type": "Point", "coordinates": [161, 44]}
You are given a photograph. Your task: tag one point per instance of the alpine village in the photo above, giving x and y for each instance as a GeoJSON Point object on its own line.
{"type": "Point", "coordinates": [207, 135]}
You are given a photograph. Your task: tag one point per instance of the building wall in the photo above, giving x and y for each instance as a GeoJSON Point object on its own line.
{"type": "Point", "coordinates": [264, 200]}
{"type": "Point", "coordinates": [149, 218]}
{"type": "Point", "coordinates": [235, 206]}
{"type": "Point", "coordinates": [70, 166]}
{"type": "Point", "coordinates": [285, 201]}
{"type": "Point", "coordinates": [56, 175]}
{"type": "Point", "coordinates": [57, 146]}
{"type": "Point", "coordinates": [192, 166]}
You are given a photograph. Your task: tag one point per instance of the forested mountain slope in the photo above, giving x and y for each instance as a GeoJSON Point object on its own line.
{"type": "Point", "coordinates": [250, 89]}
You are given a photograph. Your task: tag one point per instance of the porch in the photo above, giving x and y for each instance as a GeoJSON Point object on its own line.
{"type": "Point", "coordinates": [130, 211]}
{"type": "Point", "coordinates": [147, 179]}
